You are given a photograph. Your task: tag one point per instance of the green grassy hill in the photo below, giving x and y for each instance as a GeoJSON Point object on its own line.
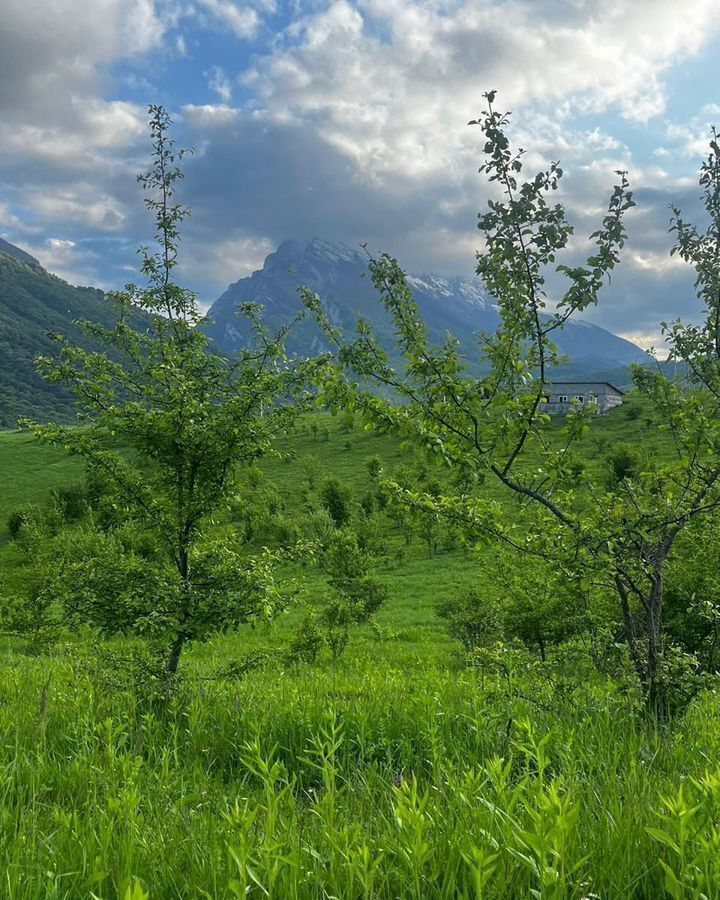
{"type": "Point", "coordinates": [32, 303]}
{"type": "Point", "coordinates": [29, 471]}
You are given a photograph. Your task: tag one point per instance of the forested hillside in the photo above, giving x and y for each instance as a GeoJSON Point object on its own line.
{"type": "Point", "coordinates": [32, 303]}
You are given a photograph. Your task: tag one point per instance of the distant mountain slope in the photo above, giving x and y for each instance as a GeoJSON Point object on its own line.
{"type": "Point", "coordinates": [33, 302]}
{"type": "Point", "coordinates": [11, 250]}
{"type": "Point", "coordinates": [339, 275]}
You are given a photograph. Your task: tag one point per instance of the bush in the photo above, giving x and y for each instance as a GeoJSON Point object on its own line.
{"type": "Point", "coordinates": [368, 503]}
{"type": "Point", "coordinates": [336, 497]}
{"type": "Point", "coordinates": [19, 518]}
{"type": "Point", "coordinates": [344, 558]}
{"type": "Point", "coordinates": [270, 500]}
{"type": "Point", "coordinates": [374, 466]}
{"type": "Point", "coordinates": [365, 596]}
{"type": "Point", "coordinates": [70, 501]}
{"type": "Point", "coordinates": [354, 604]}
{"type": "Point", "coordinates": [474, 618]}
{"type": "Point", "coordinates": [624, 461]}
{"type": "Point", "coordinates": [372, 536]}
{"type": "Point", "coordinates": [319, 526]}
{"type": "Point", "coordinates": [287, 531]}
{"type": "Point", "coordinates": [306, 642]}
{"type": "Point", "coordinates": [310, 467]}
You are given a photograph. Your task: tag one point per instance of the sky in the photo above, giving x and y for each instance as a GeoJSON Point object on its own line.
{"type": "Point", "coordinates": [347, 120]}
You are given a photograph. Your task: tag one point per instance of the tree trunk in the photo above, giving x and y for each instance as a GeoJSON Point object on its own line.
{"type": "Point", "coordinates": [183, 565]}
{"type": "Point", "coordinates": [657, 692]}
{"type": "Point", "coordinates": [172, 665]}
{"type": "Point", "coordinates": [629, 628]}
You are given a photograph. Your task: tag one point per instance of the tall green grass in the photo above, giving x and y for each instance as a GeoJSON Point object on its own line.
{"type": "Point", "coordinates": [370, 781]}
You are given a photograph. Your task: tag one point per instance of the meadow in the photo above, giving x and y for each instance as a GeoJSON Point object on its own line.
{"type": "Point", "coordinates": [396, 771]}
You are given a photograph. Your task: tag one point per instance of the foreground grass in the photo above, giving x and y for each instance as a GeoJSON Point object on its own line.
{"type": "Point", "coordinates": [370, 781]}
{"type": "Point", "coordinates": [397, 774]}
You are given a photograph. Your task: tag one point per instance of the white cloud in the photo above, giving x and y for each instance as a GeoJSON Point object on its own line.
{"type": "Point", "coordinates": [209, 115]}
{"type": "Point", "coordinates": [220, 83]}
{"type": "Point", "coordinates": [11, 221]}
{"type": "Point", "coordinates": [220, 262]}
{"type": "Point", "coordinates": [655, 263]}
{"type": "Point", "coordinates": [52, 60]}
{"type": "Point", "coordinates": [647, 340]}
{"type": "Point", "coordinates": [59, 244]}
{"type": "Point", "coordinates": [49, 51]}
{"type": "Point", "coordinates": [79, 204]}
{"type": "Point", "coordinates": [97, 126]}
{"type": "Point", "coordinates": [68, 260]}
{"type": "Point", "coordinates": [691, 138]}
{"type": "Point", "coordinates": [242, 20]}
{"type": "Point", "coordinates": [396, 103]}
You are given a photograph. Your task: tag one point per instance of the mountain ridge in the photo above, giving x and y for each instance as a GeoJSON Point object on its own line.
{"type": "Point", "coordinates": [34, 302]}
{"type": "Point", "coordinates": [447, 303]}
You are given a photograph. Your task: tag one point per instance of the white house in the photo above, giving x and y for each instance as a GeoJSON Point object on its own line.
{"type": "Point", "coordinates": [564, 395]}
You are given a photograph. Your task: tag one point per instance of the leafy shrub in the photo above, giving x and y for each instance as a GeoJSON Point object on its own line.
{"type": "Point", "coordinates": [271, 500]}
{"type": "Point", "coordinates": [473, 617]}
{"type": "Point", "coordinates": [371, 538]}
{"type": "Point", "coordinates": [368, 502]}
{"type": "Point", "coordinates": [286, 531]}
{"type": "Point", "coordinates": [348, 420]}
{"type": "Point", "coordinates": [21, 518]}
{"type": "Point", "coordinates": [374, 466]}
{"type": "Point", "coordinates": [692, 596]}
{"type": "Point", "coordinates": [319, 526]}
{"type": "Point", "coordinates": [353, 599]}
{"type": "Point", "coordinates": [30, 615]}
{"type": "Point", "coordinates": [364, 596]}
{"type": "Point", "coordinates": [310, 468]}
{"type": "Point", "coordinates": [344, 558]}
{"type": "Point", "coordinates": [336, 497]}
{"type": "Point", "coordinates": [624, 461]}
{"type": "Point", "coordinates": [306, 641]}
{"type": "Point", "coordinates": [70, 501]}
{"type": "Point", "coordinates": [353, 604]}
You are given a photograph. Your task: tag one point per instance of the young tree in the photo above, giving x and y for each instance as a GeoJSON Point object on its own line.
{"type": "Point", "coordinates": [164, 422]}
{"type": "Point", "coordinates": [336, 497]}
{"type": "Point", "coordinates": [492, 423]}
{"type": "Point", "coordinates": [355, 595]}
{"type": "Point", "coordinates": [516, 597]}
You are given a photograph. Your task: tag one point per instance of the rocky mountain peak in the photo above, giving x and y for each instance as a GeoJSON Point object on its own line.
{"type": "Point", "coordinates": [335, 271]}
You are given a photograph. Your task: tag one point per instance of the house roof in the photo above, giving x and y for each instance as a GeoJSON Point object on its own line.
{"type": "Point", "coordinates": [570, 383]}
